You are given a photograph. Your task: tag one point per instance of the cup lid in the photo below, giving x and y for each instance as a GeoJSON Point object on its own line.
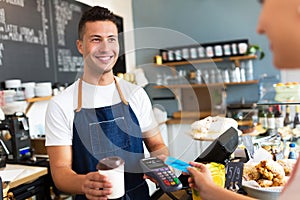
{"type": "Point", "coordinates": [110, 163]}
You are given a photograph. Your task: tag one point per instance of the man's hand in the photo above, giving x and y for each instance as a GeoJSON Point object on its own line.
{"type": "Point", "coordinates": [96, 186]}
{"type": "Point", "coordinates": [163, 158]}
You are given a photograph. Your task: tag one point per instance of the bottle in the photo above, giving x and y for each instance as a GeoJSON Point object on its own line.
{"type": "Point", "coordinates": [262, 118]}
{"type": "Point", "coordinates": [278, 117]}
{"type": "Point", "coordinates": [296, 118]}
{"type": "Point", "coordinates": [271, 118]}
{"type": "Point", "coordinates": [287, 120]}
{"type": "Point", "coordinates": [292, 152]}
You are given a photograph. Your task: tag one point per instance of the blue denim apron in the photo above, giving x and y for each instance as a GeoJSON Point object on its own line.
{"type": "Point", "coordinates": [109, 131]}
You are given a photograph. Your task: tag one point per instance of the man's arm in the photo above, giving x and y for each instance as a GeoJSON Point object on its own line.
{"type": "Point", "coordinates": [68, 181]}
{"type": "Point", "coordinates": [154, 143]}
{"type": "Point", "coordinates": [61, 169]}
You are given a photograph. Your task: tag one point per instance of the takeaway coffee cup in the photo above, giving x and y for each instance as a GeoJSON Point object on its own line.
{"type": "Point", "coordinates": [113, 168]}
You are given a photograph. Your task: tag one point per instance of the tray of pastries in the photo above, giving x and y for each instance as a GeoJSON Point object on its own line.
{"type": "Point", "coordinates": [265, 180]}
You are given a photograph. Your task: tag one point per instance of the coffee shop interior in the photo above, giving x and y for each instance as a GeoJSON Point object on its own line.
{"type": "Point", "coordinates": [201, 62]}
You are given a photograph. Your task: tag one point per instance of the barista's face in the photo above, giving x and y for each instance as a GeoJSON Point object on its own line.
{"type": "Point", "coordinates": [280, 22]}
{"type": "Point", "coordinates": [99, 47]}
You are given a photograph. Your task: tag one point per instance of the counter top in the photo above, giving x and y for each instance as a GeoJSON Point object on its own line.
{"type": "Point", "coordinates": [26, 174]}
{"type": "Point", "coordinates": [187, 117]}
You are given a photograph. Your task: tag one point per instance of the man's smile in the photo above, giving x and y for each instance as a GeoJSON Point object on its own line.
{"type": "Point", "coordinates": [104, 58]}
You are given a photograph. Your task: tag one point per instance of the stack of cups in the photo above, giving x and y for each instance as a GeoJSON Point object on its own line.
{"type": "Point", "coordinates": [205, 76]}
{"type": "Point", "coordinates": [248, 66]}
{"type": "Point", "coordinates": [225, 76]}
{"type": "Point", "coordinates": [43, 89]}
{"type": "Point", "coordinates": [212, 76]}
{"type": "Point", "coordinates": [29, 89]}
{"type": "Point", "coordinates": [198, 76]}
{"type": "Point", "coordinates": [243, 74]}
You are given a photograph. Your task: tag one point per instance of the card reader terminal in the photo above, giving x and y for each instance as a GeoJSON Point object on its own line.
{"type": "Point", "coordinates": [157, 169]}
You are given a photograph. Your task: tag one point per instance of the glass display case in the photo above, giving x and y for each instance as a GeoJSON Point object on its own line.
{"type": "Point", "coordinates": [286, 97]}
{"type": "Point", "coordinates": [272, 92]}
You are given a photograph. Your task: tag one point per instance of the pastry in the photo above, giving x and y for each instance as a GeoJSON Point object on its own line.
{"type": "Point", "coordinates": [265, 183]}
{"type": "Point", "coordinates": [270, 169]}
{"type": "Point", "coordinates": [250, 173]}
{"type": "Point", "coordinates": [212, 125]}
{"type": "Point", "coordinates": [287, 165]}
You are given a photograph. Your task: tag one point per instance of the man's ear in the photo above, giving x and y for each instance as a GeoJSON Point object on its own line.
{"type": "Point", "coordinates": [79, 46]}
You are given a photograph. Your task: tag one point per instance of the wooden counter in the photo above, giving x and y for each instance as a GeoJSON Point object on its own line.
{"type": "Point", "coordinates": [29, 174]}
{"type": "Point", "coordinates": [186, 117]}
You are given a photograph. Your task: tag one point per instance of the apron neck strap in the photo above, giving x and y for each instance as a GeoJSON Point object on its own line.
{"type": "Point", "coordinates": [79, 100]}
{"type": "Point", "coordinates": [79, 105]}
{"type": "Point", "coordinates": [120, 92]}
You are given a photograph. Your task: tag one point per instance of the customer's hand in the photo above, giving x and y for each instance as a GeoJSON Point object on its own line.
{"type": "Point", "coordinates": [200, 177]}
{"type": "Point", "coordinates": [96, 186]}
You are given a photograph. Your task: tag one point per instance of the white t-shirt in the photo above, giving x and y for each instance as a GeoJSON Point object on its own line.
{"type": "Point", "coordinates": [60, 110]}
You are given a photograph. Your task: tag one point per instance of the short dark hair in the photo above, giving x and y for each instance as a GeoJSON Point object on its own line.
{"type": "Point", "coordinates": [93, 14]}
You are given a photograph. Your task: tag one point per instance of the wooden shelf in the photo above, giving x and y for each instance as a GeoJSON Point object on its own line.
{"type": "Point", "coordinates": [187, 117]}
{"type": "Point", "coordinates": [243, 83]}
{"type": "Point", "coordinates": [206, 85]}
{"type": "Point", "coordinates": [180, 121]}
{"type": "Point", "coordinates": [191, 115]}
{"type": "Point", "coordinates": [36, 99]}
{"type": "Point", "coordinates": [236, 59]}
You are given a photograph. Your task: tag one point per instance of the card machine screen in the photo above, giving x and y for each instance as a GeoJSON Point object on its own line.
{"type": "Point", "coordinates": [154, 164]}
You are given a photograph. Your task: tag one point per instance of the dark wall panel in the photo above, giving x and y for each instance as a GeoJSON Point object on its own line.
{"type": "Point", "coordinates": [38, 40]}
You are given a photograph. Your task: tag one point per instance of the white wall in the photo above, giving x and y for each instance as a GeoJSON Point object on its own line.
{"type": "Point", "coordinates": [122, 8]}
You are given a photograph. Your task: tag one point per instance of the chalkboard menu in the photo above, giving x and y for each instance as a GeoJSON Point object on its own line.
{"type": "Point", "coordinates": [38, 40]}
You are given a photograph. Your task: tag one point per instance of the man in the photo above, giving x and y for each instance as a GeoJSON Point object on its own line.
{"type": "Point", "coordinates": [99, 116]}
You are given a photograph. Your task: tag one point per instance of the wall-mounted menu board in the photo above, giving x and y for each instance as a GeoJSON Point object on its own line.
{"type": "Point", "coordinates": [38, 40]}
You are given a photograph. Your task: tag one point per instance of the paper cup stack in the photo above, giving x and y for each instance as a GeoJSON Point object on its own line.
{"type": "Point", "coordinates": [43, 89]}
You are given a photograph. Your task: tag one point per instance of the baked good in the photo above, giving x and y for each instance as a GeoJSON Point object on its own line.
{"type": "Point", "coordinates": [265, 183]}
{"type": "Point", "coordinates": [250, 172]}
{"type": "Point", "coordinates": [267, 173]}
{"type": "Point", "coordinates": [272, 171]}
{"type": "Point", "coordinates": [212, 125]}
{"type": "Point", "coordinates": [287, 164]}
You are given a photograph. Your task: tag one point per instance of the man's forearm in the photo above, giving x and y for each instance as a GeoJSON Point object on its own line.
{"type": "Point", "coordinates": [68, 182]}
{"type": "Point", "coordinates": [160, 150]}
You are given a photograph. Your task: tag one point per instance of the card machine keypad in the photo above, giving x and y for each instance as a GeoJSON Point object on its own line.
{"type": "Point", "coordinates": [157, 169]}
{"type": "Point", "coordinates": [168, 177]}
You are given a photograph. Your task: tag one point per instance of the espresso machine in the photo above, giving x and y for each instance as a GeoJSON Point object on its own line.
{"type": "Point", "coordinates": [15, 138]}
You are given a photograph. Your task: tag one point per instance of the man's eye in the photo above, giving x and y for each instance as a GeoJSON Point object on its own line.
{"type": "Point", "coordinates": [95, 39]}
{"type": "Point", "coordinates": [112, 39]}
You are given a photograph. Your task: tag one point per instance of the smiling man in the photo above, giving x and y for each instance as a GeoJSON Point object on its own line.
{"type": "Point", "coordinates": [98, 116]}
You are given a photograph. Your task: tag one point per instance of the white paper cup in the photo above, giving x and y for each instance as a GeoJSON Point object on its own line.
{"type": "Point", "coordinates": [113, 168]}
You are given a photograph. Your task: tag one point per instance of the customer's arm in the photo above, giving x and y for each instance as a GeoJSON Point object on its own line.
{"type": "Point", "coordinates": [201, 181]}
{"type": "Point", "coordinates": [68, 181]}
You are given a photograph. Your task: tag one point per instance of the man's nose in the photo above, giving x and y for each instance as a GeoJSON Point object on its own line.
{"type": "Point", "coordinates": [260, 27]}
{"type": "Point", "coordinates": [104, 45]}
